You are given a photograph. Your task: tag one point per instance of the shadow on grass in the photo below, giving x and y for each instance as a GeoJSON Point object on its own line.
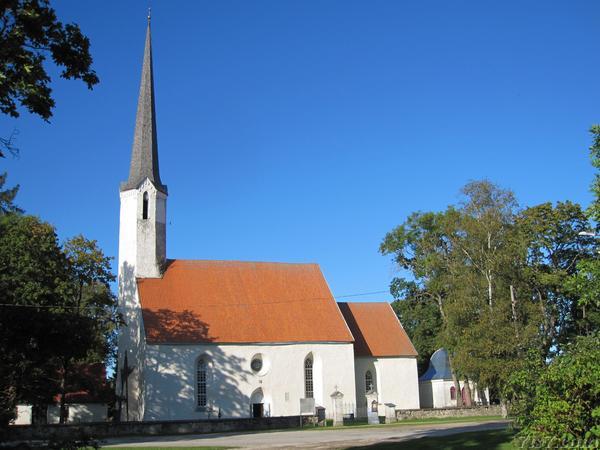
{"type": "Point", "coordinates": [491, 439]}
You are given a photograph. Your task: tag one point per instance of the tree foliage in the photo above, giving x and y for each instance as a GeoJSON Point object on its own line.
{"type": "Point", "coordinates": [558, 405]}
{"type": "Point", "coordinates": [56, 311]}
{"type": "Point", "coordinates": [30, 32]}
{"type": "Point", "coordinates": [7, 197]}
{"type": "Point", "coordinates": [498, 276]}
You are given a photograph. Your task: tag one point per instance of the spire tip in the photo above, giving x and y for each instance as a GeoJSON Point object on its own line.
{"type": "Point", "coordinates": [149, 13]}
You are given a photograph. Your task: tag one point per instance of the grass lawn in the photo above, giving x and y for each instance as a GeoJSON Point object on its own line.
{"type": "Point", "coordinates": [493, 439]}
{"type": "Point", "coordinates": [408, 422]}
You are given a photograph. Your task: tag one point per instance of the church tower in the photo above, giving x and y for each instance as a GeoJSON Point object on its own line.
{"type": "Point", "coordinates": [142, 242]}
{"type": "Point", "coordinates": [142, 238]}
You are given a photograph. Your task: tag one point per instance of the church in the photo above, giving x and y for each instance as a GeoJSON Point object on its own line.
{"type": "Point", "coordinates": [232, 339]}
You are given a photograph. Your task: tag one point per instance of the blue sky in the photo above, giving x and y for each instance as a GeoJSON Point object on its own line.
{"type": "Point", "coordinates": [304, 131]}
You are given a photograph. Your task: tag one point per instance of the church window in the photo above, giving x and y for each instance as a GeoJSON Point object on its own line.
{"type": "Point", "coordinates": [201, 379]}
{"type": "Point", "coordinates": [308, 377]}
{"type": "Point", "coordinates": [369, 381]}
{"type": "Point", "coordinates": [452, 393]}
{"type": "Point", "coordinates": [145, 206]}
{"type": "Point", "coordinates": [256, 364]}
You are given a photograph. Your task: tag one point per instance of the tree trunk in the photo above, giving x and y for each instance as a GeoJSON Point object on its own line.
{"type": "Point", "coordinates": [488, 277]}
{"type": "Point", "coordinates": [504, 409]}
{"type": "Point", "coordinates": [489, 272]}
{"type": "Point", "coordinates": [467, 401]}
{"type": "Point", "coordinates": [513, 303]}
{"type": "Point", "coordinates": [64, 413]}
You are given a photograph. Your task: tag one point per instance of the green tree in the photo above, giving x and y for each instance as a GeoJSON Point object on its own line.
{"type": "Point", "coordinates": [30, 32]}
{"type": "Point", "coordinates": [33, 282]}
{"type": "Point", "coordinates": [94, 305]}
{"type": "Point", "coordinates": [558, 405]}
{"type": "Point", "coordinates": [586, 281]}
{"type": "Point", "coordinates": [487, 326]}
{"type": "Point", "coordinates": [469, 261]}
{"type": "Point", "coordinates": [57, 311]}
{"type": "Point", "coordinates": [423, 246]}
{"type": "Point", "coordinates": [555, 397]}
{"type": "Point", "coordinates": [7, 197]}
{"type": "Point", "coordinates": [555, 256]}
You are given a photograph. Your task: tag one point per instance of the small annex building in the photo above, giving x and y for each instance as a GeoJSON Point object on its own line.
{"type": "Point", "coordinates": [231, 339]}
{"type": "Point", "coordinates": [87, 398]}
{"type": "Point", "coordinates": [385, 360]}
{"type": "Point", "coordinates": [436, 387]}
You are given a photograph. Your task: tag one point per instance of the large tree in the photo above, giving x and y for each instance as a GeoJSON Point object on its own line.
{"type": "Point", "coordinates": [496, 275]}
{"type": "Point", "coordinates": [56, 311]}
{"type": "Point", "coordinates": [94, 305]}
{"type": "Point", "coordinates": [555, 256]}
{"type": "Point", "coordinates": [423, 247]}
{"type": "Point", "coordinates": [586, 281]}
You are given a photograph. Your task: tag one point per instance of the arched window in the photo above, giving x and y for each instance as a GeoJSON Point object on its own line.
{"type": "Point", "coordinates": [452, 393]}
{"type": "Point", "coordinates": [368, 381]}
{"type": "Point", "coordinates": [145, 206]}
{"type": "Point", "coordinates": [201, 376]}
{"type": "Point", "coordinates": [308, 377]}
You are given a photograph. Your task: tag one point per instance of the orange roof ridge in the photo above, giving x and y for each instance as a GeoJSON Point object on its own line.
{"type": "Point", "coordinates": [237, 261]}
{"type": "Point", "coordinates": [376, 329]}
{"type": "Point", "coordinates": [240, 302]}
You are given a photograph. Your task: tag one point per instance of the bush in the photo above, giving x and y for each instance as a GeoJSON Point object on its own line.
{"type": "Point", "coordinates": [564, 403]}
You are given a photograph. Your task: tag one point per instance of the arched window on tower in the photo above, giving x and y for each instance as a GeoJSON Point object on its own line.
{"type": "Point", "coordinates": [368, 381]}
{"type": "Point", "coordinates": [308, 377]}
{"type": "Point", "coordinates": [145, 206]}
{"type": "Point", "coordinates": [452, 393]}
{"type": "Point", "coordinates": [201, 378]}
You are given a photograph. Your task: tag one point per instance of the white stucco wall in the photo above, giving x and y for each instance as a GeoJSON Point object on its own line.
{"type": "Point", "coordinates": [131, 337]}
{"type": "Point", "coordinates": [395, 380]}
{"type": "Point", "coordinates": [170, 378]}
{"type": "Point", "coordinates": [23, 415]}
{"type": "Point", "coordinates": [80, 412]}
{"type": "Point", "coordinates": [436, 394]}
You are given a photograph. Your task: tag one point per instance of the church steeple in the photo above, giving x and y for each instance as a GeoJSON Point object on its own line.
{"type": "Point", "coordinates": [144, 154]}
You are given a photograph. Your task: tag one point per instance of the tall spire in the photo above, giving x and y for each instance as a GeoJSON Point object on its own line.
{"type": "Point", "coordinates": [144, 154]}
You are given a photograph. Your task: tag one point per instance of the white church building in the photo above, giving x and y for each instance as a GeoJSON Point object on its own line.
{"type": "Point", "coordinates": [207, 339]}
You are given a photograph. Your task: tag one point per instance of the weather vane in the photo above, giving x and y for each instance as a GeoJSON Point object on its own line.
{"type": "Point", "coordinates": [149, 13]}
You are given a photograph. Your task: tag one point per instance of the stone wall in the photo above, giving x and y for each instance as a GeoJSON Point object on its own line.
{"type": "Point", "coordinates": [429, 413]}
{"type": "Point", "coordinates": [101, 430]}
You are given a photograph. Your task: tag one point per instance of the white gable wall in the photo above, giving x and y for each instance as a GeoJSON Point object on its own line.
{"type": "Point", "coordinates": [170, 378]}
{"type": "Point", "coordinates": [395, 380]}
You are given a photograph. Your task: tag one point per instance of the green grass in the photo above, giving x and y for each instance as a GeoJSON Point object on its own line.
{"type": "Point", "coordinates": [407, 422]}
{"type": "Point", "coordinates": [492, 440]}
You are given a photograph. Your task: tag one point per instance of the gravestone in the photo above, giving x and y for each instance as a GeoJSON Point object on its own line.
{"type": "Point", "coordinates": [338, 408]}
{"type": "Point", "coordinates": [372, 408]}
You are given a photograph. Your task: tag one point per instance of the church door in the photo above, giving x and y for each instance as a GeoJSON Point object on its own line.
{"type": "Point", "coordinates": [257, 409]}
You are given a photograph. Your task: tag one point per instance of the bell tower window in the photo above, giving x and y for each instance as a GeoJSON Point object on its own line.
{"type": "Point", "coordinates": [145, 206]}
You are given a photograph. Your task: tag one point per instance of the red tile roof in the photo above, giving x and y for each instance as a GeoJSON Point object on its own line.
{"type": "Point", "coordinates": [377, 330]}
{"type": "Point", "coordinates": [240, 302]}
{"type": "Point", "coordinates": [87, 384]}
